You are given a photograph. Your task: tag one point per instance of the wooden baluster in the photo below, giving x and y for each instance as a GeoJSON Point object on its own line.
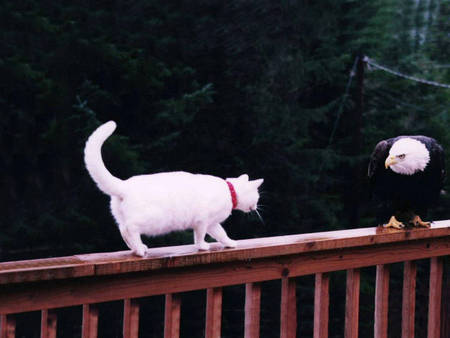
{"type": "Point", "coordinates": [435, 296]}
{"type": "Point", "coordinates": [409, 299]}
{"type": "Point", "coordinates": [130, 318]}
{"type": "Point", "coordinates": [445, 302]}
{"type": "Point", "coordinates": [90, 321]}
{"type": "Point", "coordinates": [381, 301]}
{"type": "Point", "coordinates": [7, 326]}
{"type": "Point", "coordinates": [48, 323]}
{"type": "Point", "coordinates": [213, 313]}
{"type": "Point", "coordinates": [352, 303]}
{"type": "Point", "coordinates": [321, 305]}
{"type": "Point", "coordinates": [288, 320]}
{"type": "Point", "coordinates": [252, 310]}
{"type": "Point", "coordinates": [172, 316]}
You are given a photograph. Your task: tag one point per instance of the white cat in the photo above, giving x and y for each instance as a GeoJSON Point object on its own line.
{"type": "Point", "coordinates": [160, 203]}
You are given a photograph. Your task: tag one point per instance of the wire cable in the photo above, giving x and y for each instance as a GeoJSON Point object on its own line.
{"type": "Point", "coordinates": [372, 63]}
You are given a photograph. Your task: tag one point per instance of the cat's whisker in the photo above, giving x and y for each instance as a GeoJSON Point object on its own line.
{"type": "Point", "coordinates": [262, 221]}
{"type": "Point", "coordinates": [261, 207]}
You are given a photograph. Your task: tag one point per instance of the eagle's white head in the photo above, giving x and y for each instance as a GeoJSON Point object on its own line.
{"type": "Point", "coordinates": [407, 156]}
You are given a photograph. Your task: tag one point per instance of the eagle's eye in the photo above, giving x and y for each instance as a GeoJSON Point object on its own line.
{"type": "Point", "coordinates": [402, 156]}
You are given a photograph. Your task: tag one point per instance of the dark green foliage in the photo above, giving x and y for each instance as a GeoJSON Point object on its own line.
{"type": "Point", "coordinates": [210, 87]}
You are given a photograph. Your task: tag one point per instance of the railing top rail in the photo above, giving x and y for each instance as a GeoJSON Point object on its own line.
{"type": "Point", "coordinates": [186, 255]}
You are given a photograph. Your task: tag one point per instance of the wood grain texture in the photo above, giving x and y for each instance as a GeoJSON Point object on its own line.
{"type": "Point", "coordinates": [60, 293]}
{"type": "Point", "coordinates": [381, 302]}
{"type": "Point", "coordinates": [352, 303]}
{"type": "Point", "coordinates": [321, 305]}
{"type": "Point", "coordinates": [252, 310]}
{"type": "Point", "coordinates": [7, 326]}
{"type": "Point", "coordinates": [130, 318]}
{"type": "Point", "coordinates": [49, 322]}
{"type": "Point", "coordinates": [88, 279]}
{"type": "Point", "coordinates": [435, 296]}
{"type": "Point", "coordinates": [409, 299]}
{"type": "Point", "coordinates": [172, 315]}
{"type": "Point", "coordinates": [89, 328]}
{"type": "Point", "coordinates": [213, 325]}
{"type": "Point", "coordinates": [187, 255]}
{"type": "Point", "coordinates": [445, 300]}
{"type": "Point", "coordinates": [288, 313]}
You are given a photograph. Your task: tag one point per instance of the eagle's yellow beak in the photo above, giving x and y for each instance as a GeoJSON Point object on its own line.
{"type": "Point", "coordinates": [390, 161]}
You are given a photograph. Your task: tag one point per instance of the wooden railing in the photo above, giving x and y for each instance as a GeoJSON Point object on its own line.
{"type": "Point", "coordinates": [49, 284]}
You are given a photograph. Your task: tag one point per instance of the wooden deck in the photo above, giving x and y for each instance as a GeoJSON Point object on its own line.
{"type": "Point", "coordinates": [48, 284]}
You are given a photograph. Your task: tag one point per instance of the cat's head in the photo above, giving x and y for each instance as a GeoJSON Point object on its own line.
{"type": "Point", "coordinates": [247, 192]}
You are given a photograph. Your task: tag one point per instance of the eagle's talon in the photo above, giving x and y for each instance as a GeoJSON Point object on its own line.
{"type": "Point", "coordinates": [394, 223]}
{"type": "Point", "coordinates": [417, 221]}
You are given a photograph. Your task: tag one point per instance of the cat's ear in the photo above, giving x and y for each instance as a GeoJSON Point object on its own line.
{"type": "Point", "coordinates": [257, 183]}
{"type": "Point", "coordinates": [243, 177]}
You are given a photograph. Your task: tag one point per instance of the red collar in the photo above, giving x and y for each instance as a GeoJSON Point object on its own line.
{"type": "Point", "coordinates": [233, 194]}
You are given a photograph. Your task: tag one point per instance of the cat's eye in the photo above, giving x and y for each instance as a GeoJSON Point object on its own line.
{"type": "Point", "coordinates": [402, 156]}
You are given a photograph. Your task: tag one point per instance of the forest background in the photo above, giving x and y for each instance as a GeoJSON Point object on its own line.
{"type": "Point", "coordinates": [261, 87]}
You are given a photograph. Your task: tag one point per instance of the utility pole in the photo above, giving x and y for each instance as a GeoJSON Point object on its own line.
{"type": "Point", "coordinates": [356, 127]}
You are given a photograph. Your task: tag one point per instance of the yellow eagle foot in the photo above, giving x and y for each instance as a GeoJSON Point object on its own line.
{"type": "Point", "coordinates": [394, 223]}
{"type": "Point", "coordinates": [417, 222]}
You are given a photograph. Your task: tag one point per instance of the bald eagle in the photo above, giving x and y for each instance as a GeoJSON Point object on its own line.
{"type": "Point", "coordinates": [406, 175]}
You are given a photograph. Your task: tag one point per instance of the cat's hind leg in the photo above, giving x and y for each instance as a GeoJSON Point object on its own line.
{"type": "Point", "coordinates": [129, 232]}
{"type": "Point", "coordinates": [133, 239]}
{"type": "Point", "coordinates": [125, 236]}
{"type": "Point", "coordinates": [120, 219]}
{"type": "Point", "coordinates": [218, 232]}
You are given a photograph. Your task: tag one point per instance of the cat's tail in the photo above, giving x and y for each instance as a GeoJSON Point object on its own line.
{"type": "Point", "coordinates": [94, 163]}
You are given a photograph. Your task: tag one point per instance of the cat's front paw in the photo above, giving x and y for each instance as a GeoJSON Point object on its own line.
{"type": "Point", "coordinates": [230, 243]}
{"type": "Point", "coordinates": [141, 250]}
{"type": "Point", "coordinates": [203, 246]}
